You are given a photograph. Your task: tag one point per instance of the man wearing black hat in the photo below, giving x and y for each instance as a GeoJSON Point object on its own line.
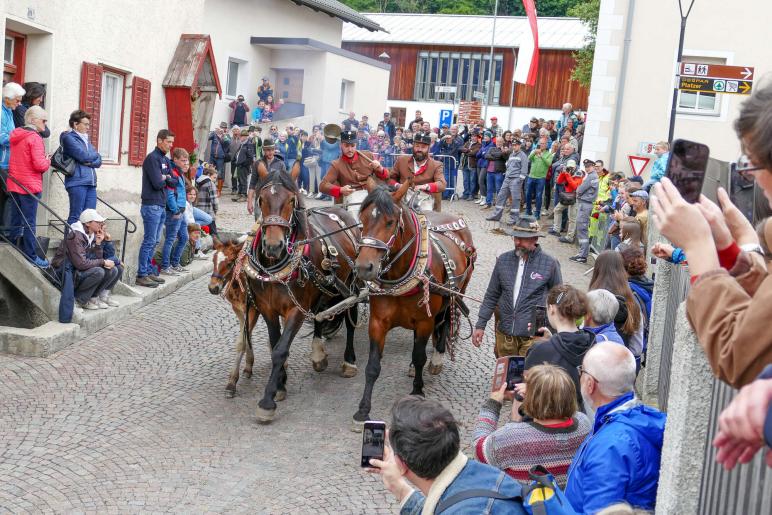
{"type": "Point", "coordinates": [350, 172]}
{"type": "Point", "coordinates": [519, 284]}
{"type": "Point", "coordinates": [243, 160]}
{"type": "Point", "coordinates": [427, 174]}
{"type": "Point", "coordinates": [217, 149]}
{"type": "Point", "coordinates": [272, 164]}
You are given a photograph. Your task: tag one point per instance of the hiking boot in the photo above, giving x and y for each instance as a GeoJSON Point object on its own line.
{"type": "Point", "coordinates": [157, 279]}
{"type": "Point", "coordinates": [578, 259]}
{"type": "Point", "coordinates": [553, 232]}
{"type": "Point", "coordinates": [565, 239]}
{"type": "Point", "coordinates": [492, 218]}
{"type": "Point", "coordinates": [147, 282]}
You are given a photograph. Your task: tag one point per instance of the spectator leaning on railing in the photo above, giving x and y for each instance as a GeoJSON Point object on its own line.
{"type": "Point", "coordinates": [730, 302]}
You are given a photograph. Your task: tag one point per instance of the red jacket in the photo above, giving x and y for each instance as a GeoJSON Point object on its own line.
{"type": "Point", "coordinates": [571, 182]}
{"type": "Point", "coordinates": [28, 161]}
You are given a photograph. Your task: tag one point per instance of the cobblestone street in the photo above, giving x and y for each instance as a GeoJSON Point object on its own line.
{"type": "Point", "coordinates": [134, 418]}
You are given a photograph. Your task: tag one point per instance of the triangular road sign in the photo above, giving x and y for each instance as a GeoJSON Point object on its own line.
{"type": "Point", "coordinates": [638, 163]}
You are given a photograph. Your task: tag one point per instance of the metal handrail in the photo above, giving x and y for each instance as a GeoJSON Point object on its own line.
{"type": "Point", "coordinates": [126, 220]}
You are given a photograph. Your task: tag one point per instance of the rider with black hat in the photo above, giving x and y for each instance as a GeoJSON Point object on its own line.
{"type": "Point", "coordinates": [427, 174]}
{"type": "Point", "coordinates": [350, 172]}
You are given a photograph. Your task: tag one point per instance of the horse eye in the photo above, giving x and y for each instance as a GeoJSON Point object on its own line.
{"type": "Point", "coordinates": [389, 223]}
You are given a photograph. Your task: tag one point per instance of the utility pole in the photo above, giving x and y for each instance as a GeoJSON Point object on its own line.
{"type": "Point", "coordinates": [489, 92]}
{"type": "Point", "coordinates": [674, 104]}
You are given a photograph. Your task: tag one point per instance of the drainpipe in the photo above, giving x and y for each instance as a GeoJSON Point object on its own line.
{"type": "Point", "coordinates": [621, 91]}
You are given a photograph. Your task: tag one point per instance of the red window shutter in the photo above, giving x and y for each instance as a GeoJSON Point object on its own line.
{"type": "Point", "coordinates": [140, 113]}
{"type": "Point", "coordinates": [91, 97]}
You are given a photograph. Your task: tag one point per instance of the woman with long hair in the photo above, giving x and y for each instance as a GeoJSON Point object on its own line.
{"type": "Point", "coordinates": [609, 274]}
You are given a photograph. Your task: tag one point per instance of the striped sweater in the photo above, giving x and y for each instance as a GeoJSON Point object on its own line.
{"type": "Point", "coordinates": [518, 446]}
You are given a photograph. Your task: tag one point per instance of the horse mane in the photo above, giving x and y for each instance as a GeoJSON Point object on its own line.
{"type": "Point", "coordinates": [381, 198]}
{"type": "Point", "coordinates": [282, 178]}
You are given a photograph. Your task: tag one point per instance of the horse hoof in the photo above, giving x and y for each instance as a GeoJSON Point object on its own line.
{"type": "Point", "coordinates": [230, 392]}
{"type": "Point", "coordinates": [411, 371]}
{"type": "Point", "coordinates": [265, 416]}
{"type": "Point", "coordinates": [247, 373]}
{"type": "Point", "coordinates": [320, 366]}
{"type": "Point", "coordinates": [357, 426]}
{"type": "Point", "coordinates": [419, 393]}
{"type": "Point", "coordinates": [435, 369]}
{"type": "Point", "coordinates": [280, 395]}
{"type": "Point", "coordinates": [348, 370]}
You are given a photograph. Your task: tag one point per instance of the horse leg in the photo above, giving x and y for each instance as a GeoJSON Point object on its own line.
{"type": "Point", "coordinates": [253, 315]}
{"type": "Point", "coordinates": [233, 378]}
{"type": "Point", "coordinates": [274, 333]}
{"type": "Point", "coordinates": [440, 338]}
{"type": "Point", "coordinates": [349, 368]}
{"type": "Point", "coordinates": [318, 352]}
{"type": "Point", "coordinates": [420, 338]}
{"type": "Point", "coordinates": [266, 408]}
{"type": "Point", "coordinates": [372, 371]}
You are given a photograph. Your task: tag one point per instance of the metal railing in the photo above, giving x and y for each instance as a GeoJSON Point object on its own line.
{"type": "Point", "coordinates": [449, 165]}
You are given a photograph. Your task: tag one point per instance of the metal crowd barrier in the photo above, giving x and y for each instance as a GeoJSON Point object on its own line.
{"type": "Point", "coordinates": [449, 165]}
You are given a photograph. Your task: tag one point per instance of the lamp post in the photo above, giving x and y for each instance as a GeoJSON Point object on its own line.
{"type": "Point", "coordinates": [673, 105]}
{"type": "Point", "coordinates": [489, 92]}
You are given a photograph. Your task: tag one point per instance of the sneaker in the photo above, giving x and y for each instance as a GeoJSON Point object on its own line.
{"type": "Point", "coordinates": [553, 232]}
{"type": "Point", "coordinates": [319, 196]}
{"type": "Point", "coordinates": [485, 207]}
{"type": "Point", "coordinates": [147, 282]}
{"type": "Point", "coordinates": [302, 191]}
{"type": "Point", "coordinates": [180, 269]}
{"type": "Point", "coordinates": [42, 263]}
{"type": "Point", "coordinates": [578, 259]}
{"type": "Point", "coordinates": [156, 279]}
{"type": "Point", "coordinates": [565, 239]}
{"type": "Point", "coordinates": [90, 305]}
{"type": "Point", "coordinates": [107, 299]}
{"type": "Point", "coordinates": [480, 201]}
{"type": "Point", "coordinates": [200, 255]}
{"type": "Point", "coordinates": [492, 218]}
{"type": "Point", "coordinates": [168, 271]}
{"type": "Point", "coordinates": [99, 304]}
{"type": "Point", "coordinates": [311, 195]}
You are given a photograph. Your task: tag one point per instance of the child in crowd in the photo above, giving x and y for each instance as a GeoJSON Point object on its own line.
{"type": "Point", "coordinates": [257, 113]}
{"type": "Point", "coordinates": [631, 236]}
{"type": "Point", "coordinates": [206, 198]}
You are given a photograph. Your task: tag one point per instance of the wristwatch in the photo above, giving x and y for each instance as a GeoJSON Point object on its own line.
{"type": "Point", "coordinates": [752, 247]}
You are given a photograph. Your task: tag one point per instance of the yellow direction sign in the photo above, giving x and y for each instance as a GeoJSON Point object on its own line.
{"type": "Point", "coordinates": [735, 87]}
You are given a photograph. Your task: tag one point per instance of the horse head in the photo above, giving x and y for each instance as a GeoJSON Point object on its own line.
{"type": "Point", "coordinates": [224, 259]}
{"type": "Point", "coordinates": [381, 218]}
{"type": "Point", "coordinates": [277, 199]}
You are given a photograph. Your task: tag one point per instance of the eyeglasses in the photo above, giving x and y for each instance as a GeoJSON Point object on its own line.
{"type": "Point", "coordinates": [744, 164]}
{"type": "Point", "coordinates": [581, 370]}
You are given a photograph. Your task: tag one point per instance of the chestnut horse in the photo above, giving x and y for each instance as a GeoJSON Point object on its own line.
{"type": "Point", "coordinates": [294, 266]}
{"type": "Point", "coordinates": [406, 264]}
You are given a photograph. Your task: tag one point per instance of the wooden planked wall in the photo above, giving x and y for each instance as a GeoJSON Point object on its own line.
{"type": "Point", "coordinates": [553, 86]}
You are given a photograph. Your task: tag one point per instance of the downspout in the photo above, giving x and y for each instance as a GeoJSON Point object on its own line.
{"type": "Point", "coordinates": [621, 91]}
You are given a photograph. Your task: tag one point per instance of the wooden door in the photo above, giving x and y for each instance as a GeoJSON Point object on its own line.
{"type": "Point", "coordinates": [14, 58]}
{"type": "Point", "coordinates": [398, 116]}
{"type": "Point", "coordinates": [289, 85]}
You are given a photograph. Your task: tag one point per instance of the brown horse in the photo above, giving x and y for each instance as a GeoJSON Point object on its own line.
{"type": "Point", "coordinates": [294, 268]}
{"type": "Point", "coordinates": [401, 258]}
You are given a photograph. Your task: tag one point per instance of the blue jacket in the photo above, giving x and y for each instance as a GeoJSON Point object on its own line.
{"type": "Point", "coordinates": [292, 147]}
{"type": "Point", "coordinates": [609, 331]}
{"type": "Point", "coordinates": [659, 167]}
{"type": "Point", "coordinates": [281, 149]}
{"type": "Point", "coordinates": [619, 461]}
{"type": "Point", "coordinates": [175, 191]}
{"type": "Point", "coordinates": [330, 151]}
{"type": "Point", "coordinates": [481, 161]}
{"type": "Point", "coordinates": [154, 166]}
{"type": "Point", "coordinates": [86, 158]}
{"type": "Point", "coordinates": [6, 128]}
{"type": "Point", "coordinates": [474, 475]}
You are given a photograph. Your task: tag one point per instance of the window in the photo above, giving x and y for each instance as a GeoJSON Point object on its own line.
{"type": "Point", "coordinates": [467, 72]}
{"type": "Point", "coordinates": [111, 113]}
{"type": "Point", "coordinates": [232, 86]}
{"type": "Point", "coordinates": [8, 51]}
{"type": "Point", "coordinates": [346, 95]}
{"type": "Point", "coordinates": [700, 102]}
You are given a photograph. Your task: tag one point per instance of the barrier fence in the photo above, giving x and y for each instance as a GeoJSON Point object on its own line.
{"type": "Point", "coordinates": [449, 166]}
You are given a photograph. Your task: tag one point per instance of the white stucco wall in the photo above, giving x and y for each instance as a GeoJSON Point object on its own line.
{"type": "Point", "coordinates": [370, 89]}
{"type": "Point", "coordinates": [738, 35]}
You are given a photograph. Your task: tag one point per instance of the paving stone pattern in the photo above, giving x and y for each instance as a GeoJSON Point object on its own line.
{"type": "Point", "coordinates": [134, 418]}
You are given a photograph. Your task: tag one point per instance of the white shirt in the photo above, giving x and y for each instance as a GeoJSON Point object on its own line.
{"type": "Point", "coordinates": [518, 282]}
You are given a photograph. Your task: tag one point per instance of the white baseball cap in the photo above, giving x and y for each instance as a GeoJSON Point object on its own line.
{"type": "Point", "coordinates": [91, 215]}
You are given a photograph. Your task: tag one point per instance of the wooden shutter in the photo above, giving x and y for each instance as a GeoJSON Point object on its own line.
{"type": "Point", "coordinates": [140, 112]}
{"type": "Point", "coordinates": [91, 97]}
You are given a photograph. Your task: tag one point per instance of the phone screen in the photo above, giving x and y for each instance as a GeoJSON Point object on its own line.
{"type": "Point", "coordinates": [686, 168]}
{"type": "Point", "coordinates": [741, 190]}
{"type": "Point", "coordinates": [538, 320]}
{"type": "Point", "coordinates": [515, 371]}
{"type": "Point", "coordinates": [373, 440]}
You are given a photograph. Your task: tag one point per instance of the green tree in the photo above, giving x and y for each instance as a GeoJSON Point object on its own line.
{"type": "Point", "coordinates": [587, 11]}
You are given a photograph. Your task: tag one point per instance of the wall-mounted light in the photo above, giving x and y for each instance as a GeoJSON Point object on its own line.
{"type": "Point", "coordinates": [384, 56]}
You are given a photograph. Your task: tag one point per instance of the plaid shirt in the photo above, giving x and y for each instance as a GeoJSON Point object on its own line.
{"type": "Point", "coordinates": [207, 196]}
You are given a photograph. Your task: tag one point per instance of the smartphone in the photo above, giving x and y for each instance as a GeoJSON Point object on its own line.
{"type": "Point", "coordinates": [538, 320]}
{"type": "Point", "coordinates": [686, 168]}
{"type": "Point", "coordinates": [373, 440]}
{"type": "Point", "coordinates": [741, 186]}
{"type": "Point", "coordinates": [509, 369]}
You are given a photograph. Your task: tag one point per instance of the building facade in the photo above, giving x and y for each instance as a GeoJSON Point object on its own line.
{"type": "Point", "coordinates": [634, 75]}
{"type": "Point", "coordinates": [430, 51]}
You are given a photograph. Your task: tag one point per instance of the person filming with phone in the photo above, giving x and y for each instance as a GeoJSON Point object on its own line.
{"type": "Point", "coordinates": [519, 284]}
{"type": "Point", "coordinates": [425, 452]}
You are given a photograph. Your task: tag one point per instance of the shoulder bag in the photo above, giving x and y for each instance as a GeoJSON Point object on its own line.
{"type": "Point", "coordinates": [62, 163]}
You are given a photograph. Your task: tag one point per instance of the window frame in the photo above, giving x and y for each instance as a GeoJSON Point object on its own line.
{"type": "Point", "coordinates": [239, 73]}
{"type": "Point", "coordinates": [345, 102]}
{"type": "Point", "coordinates": [123, 75]}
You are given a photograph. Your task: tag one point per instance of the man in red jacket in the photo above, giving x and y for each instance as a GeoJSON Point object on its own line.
{"type": "Point", "coordinates": [570, 178]}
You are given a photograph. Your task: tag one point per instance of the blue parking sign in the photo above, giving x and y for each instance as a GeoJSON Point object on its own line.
{"type": "Point", "coordinates": [446, 117]}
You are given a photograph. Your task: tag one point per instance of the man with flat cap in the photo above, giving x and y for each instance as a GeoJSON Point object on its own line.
{"type": "Point", "coordinates": [350, 171]}
{"type": "Point", "coordinates": [271, 162]}
{"type": "Point", "coordinates": [519, 284]}
{"type": "Point", "coordinates": [427, 174]}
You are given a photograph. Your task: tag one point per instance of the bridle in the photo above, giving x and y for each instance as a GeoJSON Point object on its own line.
{"type": "Point", "coordinates": [278, 220]}
{"type": "Point", "coordinates": [386, 246]}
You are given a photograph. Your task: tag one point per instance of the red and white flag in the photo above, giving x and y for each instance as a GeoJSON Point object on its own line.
{"type": "Point", "coordinates": [528, 55]}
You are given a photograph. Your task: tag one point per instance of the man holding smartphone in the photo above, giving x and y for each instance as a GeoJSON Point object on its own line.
{"type": "Point", "coordinates": [519, 284]}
